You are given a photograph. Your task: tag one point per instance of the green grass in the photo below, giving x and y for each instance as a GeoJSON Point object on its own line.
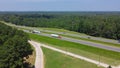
{"type": "Point", "coordinates": [55, 59]}
{"type": "Point", "coordinates": [96, 41]}
{"type": "Point", "coordinates": [91, 40]}
{"type": "Point", "coordinates": [80, 38]}
{"type": "Point", "coordinates": [61, 30]}
{"type": "Point", "coordinates": [110, 57]}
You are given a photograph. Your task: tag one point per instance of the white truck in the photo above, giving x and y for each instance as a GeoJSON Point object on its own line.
{"type": "Point", "coordinates": [37, 32]}
{"type": "Point", "coordinates": [55, 35]}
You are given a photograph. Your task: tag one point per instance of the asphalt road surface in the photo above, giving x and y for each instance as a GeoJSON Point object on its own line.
{"type": "Point", "coordinates": [107, 47]}
{"type": "Point", "coordinates": [83, 36]}
{"type": "Point", "coordinates": [87, 43]}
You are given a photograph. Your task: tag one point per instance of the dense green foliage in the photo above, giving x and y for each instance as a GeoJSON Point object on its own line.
{"type": "Point", "coordinates": [95, 24]}
{"type": "Point", "coordinates": [13, 47]}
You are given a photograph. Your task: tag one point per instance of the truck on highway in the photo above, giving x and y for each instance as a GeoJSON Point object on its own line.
{"type": "Point", "coordinates": [55, 35]}
{"type": "Point", "coordinates": [35, 31]}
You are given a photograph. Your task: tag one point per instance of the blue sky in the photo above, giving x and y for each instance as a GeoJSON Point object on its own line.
{"type": "Point", "coordinates": [59, 5]}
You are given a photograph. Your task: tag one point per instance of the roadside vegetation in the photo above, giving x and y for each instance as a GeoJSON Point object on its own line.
{"type": "Point", "coordinates": [95, 24]}
{"type": "Point", "coordinates": [60, 60]}
{"type": "Point", "coordinates": [106, 56]}
{"type": "Point", "coordinates": [65, 33]}
{"type": "Point", "coordinates": [14, 47]}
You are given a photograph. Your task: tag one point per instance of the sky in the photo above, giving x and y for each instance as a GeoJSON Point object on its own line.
{"type": "Point", "coordinates": [59, 5]}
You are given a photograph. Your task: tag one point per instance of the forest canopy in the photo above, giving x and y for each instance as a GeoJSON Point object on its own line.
{"type": "Point", "coordinates": [95, 24]}
{"type": "Point", "coordinates": [14, 47]}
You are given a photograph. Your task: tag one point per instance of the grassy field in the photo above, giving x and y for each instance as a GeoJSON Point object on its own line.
{"type": "Point", "coordinates": [55, 59]}
{"type": "Point", "coordinates": [110, 57]}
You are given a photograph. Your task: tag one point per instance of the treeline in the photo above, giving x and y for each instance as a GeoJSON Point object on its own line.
{"type": "Point", "coordinates": [14, 47]}
{"type": "Point", "coordinates": [95, 24]}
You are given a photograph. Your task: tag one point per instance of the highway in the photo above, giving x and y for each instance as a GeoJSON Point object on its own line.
{"type": "Point", "coordinates": [87, 43]}
{"type": "Point", "coordinates": [107, 47]}
{"type": "Point", "coordinates": [82, 41]}
{"type": "Point", "coordinates": [83, 36]}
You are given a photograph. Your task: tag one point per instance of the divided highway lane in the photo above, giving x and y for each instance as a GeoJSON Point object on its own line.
{"type": "Point", "coordinates": [93, 44]}
{"type": "Point", "coordinates": [87, 43]}
{"type": "Point", "coordinates": [86, 36]}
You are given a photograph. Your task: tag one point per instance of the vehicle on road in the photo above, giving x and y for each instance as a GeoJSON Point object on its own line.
{"type": "Point", "coordinates": [55, 35]}
{"type": "Point", "coordinates": [35, 31]}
